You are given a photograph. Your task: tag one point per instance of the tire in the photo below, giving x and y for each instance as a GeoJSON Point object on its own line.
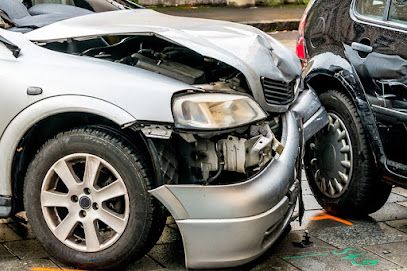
{"type": "Point", "coordinates": [126, 226]}
{"type": "Point", "coordinates": [340, 154]}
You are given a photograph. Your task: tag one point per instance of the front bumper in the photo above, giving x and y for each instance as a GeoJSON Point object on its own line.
{"type": "Point", "coordinates": [229, 225]}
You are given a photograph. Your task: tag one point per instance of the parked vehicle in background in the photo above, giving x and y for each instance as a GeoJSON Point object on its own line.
{"type": "Point", "coordinates": [109, 121]}
{"type": "Point", "coordinates": [355, 56]}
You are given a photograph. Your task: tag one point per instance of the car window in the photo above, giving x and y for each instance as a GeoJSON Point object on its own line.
{"type": "Point", "coordinates": [398, 11]}
{"type": "Point", "coordinates": [371, 8]}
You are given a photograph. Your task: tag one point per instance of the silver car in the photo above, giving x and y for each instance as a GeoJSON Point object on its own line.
{"type": "Point", "coordinates": [111, 120]}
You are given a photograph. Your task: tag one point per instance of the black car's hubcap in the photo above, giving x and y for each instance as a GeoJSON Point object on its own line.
{"type": "Point", "coordinates": [331, 158]}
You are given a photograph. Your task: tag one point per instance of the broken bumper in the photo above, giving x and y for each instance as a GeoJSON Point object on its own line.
{"type": "Point", "coordinates": [229, 225]}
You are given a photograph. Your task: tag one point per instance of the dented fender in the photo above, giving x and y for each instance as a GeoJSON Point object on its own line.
{"type": "Point", "coordinates": [338, 68]}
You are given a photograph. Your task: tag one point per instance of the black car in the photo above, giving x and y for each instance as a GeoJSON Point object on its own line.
{"type": "Point", "coordinates": [354, 54]}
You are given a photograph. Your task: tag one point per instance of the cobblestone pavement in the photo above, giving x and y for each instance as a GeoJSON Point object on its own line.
{"type": "Point", "coordinates": [376, 243]}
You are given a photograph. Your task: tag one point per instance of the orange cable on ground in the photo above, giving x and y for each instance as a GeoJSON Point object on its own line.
{"type": "Point", "coordinates": [325, 216]}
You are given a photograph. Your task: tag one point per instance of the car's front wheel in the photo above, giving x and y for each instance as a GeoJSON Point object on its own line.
{"type": "Point", "coordinates": [86, 197]}
{"type": "Point", "coordinates": [339, 164]}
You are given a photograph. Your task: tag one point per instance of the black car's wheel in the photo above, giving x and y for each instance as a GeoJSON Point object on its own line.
{"type": "Point", "coordinates": [86, 197]}
{"type": "Point", "coordinates": [339, 164]}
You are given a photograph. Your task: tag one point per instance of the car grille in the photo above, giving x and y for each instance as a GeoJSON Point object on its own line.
{"type": "Point", "coordinates": [277, 92]}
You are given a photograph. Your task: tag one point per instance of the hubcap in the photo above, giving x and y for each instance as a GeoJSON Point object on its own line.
{"type": "Point", "coordinates": [332, 158]}
{"type": "Point", "coordinates": [85, 202]}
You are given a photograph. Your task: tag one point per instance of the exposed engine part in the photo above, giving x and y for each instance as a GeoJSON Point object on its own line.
{"type": "Point", "coordinates": [234, 153]}
{"type": "Point", "coordinates": [234, 83]}
{"type": "Point", "coordinates": [240, 153]}
{"type": "Point", "coordinates": [266, 131]}
{"type": "Point", "coordinates": [207, 158]}
{"type": "Point", "coordinates": [171, 69]}
{"type": "Point", "coordinates": [213, 178]}
{"type": "Point", "coordinates": [160, 56]}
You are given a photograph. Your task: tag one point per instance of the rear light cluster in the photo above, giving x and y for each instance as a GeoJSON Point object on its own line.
{"type": "Point", "coordinates": [301, 48]}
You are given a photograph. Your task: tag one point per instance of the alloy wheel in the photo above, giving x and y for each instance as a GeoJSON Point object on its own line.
{"type": "Point", "coordinates": [85, 202]}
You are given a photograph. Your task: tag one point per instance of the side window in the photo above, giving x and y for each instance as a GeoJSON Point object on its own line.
{"type": "Point", "coordinates": [398, 11]}
{"type": "Point", "coordinates": [371, 8]}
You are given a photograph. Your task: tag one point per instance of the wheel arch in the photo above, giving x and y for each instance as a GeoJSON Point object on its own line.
{"type": "Point", "coordinates": [32, 127]}
{"type": "Point", "coordinates": [320, 82]}
{"type": "Point", "coordinates": [342, 77]}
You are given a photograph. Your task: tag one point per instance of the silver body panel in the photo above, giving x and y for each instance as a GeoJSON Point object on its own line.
{"type": "Point", "coordinates": [120, 93]}
{"type": "Point", "coordinates": [221, 243]}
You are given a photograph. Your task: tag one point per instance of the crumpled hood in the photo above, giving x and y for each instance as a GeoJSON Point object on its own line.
{"type": "Point", "coordinates": [246, 48]}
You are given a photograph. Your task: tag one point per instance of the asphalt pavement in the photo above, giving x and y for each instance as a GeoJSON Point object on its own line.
{"type": "Point", "coordinates": [377, 242]}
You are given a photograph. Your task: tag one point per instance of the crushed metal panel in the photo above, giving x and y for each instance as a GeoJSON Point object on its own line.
{"type": "Point", "coordinates": [249, 50]}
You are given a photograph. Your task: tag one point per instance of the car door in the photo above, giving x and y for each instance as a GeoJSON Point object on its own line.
{"type": "Point", "coordinates": [376, 47]}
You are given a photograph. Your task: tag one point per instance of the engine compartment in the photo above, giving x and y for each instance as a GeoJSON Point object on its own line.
{"type": "Point", "coordinates": [157, 55]}
{"type": "Point", "coordinates": [229, 158]}
{"type": "Point", "coordinates": [217, 157]}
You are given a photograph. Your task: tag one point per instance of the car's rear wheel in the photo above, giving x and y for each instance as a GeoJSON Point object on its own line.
{"type": "Point", "coordinates": [339, 163]}
{"type": "Point", "coordinates": [86, 197]}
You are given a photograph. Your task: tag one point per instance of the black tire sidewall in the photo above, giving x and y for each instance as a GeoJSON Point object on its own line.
{"type": "Point", "coordinates": [140, 202]}
{"type": "Point", "coordinates": [354, 200]}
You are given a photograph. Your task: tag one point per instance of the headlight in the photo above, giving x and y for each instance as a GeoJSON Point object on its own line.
{"type": "Point", "coordinates": [210, 111]}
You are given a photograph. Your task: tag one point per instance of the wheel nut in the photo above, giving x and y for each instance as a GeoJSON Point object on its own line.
{"type": "Point", "coordinates": [74, 198]}
{"type": "Point", "coordinates": [86, 191]}
{"type": "Point", "coordinates": [82, 213]}
{"type": "Point", "coordinates": [95, 206]}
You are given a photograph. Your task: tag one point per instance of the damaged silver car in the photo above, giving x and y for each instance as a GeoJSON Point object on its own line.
{"type": "Point", "coordinates": [110, 121]}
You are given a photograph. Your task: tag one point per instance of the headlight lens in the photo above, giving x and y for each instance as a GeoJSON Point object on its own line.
{"type": "Point", "coordinates": [210, 111]}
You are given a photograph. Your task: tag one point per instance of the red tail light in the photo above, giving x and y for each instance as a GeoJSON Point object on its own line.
{"type": "Point", "coordinates": [300, 49]}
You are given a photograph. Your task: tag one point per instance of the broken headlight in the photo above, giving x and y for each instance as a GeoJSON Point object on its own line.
{"type": "Point", "coordinates": [210, 111]}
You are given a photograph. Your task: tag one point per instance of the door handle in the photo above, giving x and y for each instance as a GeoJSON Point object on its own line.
{"type": "Point", "coordinates": [362, 47]}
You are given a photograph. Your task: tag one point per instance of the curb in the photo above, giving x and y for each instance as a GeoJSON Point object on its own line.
{"type": "Point", "coordinates": [271, 26]}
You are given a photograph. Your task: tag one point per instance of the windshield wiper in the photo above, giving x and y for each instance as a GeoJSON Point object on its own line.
{"type": "Point", "coordinates": [11, 46]}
